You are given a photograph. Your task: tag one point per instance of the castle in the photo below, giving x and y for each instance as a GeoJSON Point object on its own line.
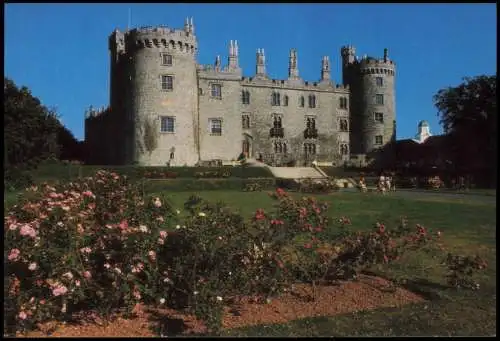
{"type": "Point", "coordinates": [165, 109]}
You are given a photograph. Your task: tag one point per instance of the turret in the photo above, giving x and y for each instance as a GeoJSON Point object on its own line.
{"type": "Point", "coordinates": [233, 54]}
{"type": "Point", "coordinates": [189, 26]}
{"type": "Point", "coordinates": [261, 63]}
{"type": "Point", "coordinates": [293, 70]}
{"type": "Point", "coordinates": [348, 54]}
{"type": "Point", "coordinates": [325, 69]}
{"type": "Point", "coordinates": [217, 63]}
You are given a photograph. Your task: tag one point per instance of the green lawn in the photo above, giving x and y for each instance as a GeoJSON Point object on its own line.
{"type": "Point", "coordinates": [468, 227]}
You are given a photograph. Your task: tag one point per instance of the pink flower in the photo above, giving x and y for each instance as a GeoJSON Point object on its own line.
{"type": "Point", "coordinates": [160, 219]}
{"type": "Point", "coordinates": [65, 208]}
{"type": "Point", "coordinates": [27, 230]}
{"type": "Point", "coordinates": [32, 267]}
{"type": "Point", "coordinates": [163, 234]}
{"type": "Point", "coordinates": [86, 250]}
{"type": "Point", "coordinates": [13, 226]}
{"type": "Point", "coordinates": [123, 225]}
{"type": "Point", "coordinates": [77, 283]}
{"type": "Point", "coordinates": [42, 302]}
{"type": "Point", "coordinates": [307, 246]}
{"type": "Point", "coordinates": [439, 233]}
{"type": "Point", "coordinates": [107, 266]}
{"type": "Point", "coordinates": [88, 194]}
{"type": "Point", "coordinates": [137, 294]}
{"type": "Point", "coordinates": [14, 254]}
{"type": "Point", "coordinates": [79, 228]}
{"type": "Point", "coordinates": [59, 290]}
{"type": "Point", "coordinates": [87, 274]}
{"type": "Point", "coordinates": [259, 214]}
{"type": "Point", "coordinates": [161, 241]}
{"type": "Point", "coordinates": [152, 255]}
{"type": "Point", "coordinates": [22, 315]}
{"type": "Point", "coordinates": [91, 205]}
{"type": "Point", "coordinates": [157, 202]}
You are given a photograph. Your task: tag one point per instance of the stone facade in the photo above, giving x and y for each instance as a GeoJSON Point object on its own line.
{"type": "Point", "coordinates": [165, 109]}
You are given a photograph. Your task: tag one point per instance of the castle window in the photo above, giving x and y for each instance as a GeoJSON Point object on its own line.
{"type": "Point", "coordinates": [379, 117]}
{"type": "Point", "coordinates": [379, 99]}
{"type": "Point", "coordinates": [309, 149]}
{"type": "Point", "coordinates": [167, 82]}
{"type": "Point", "coordinates": [343, 125]}
{"type": "Point", "coordinates": [379, 139]}
{"type": "Point", "coordinates": [312, 101]}
{"type": "Point", "coordinates": [380, 81]}
{"type": "Point", "coordinates": [277, 122]}
{"type": "Point", "coordinates": [275, 99]}
{"type": "Point", "coordinates": [245, 121]}
{"type": "Point", "coordinates": [343, 103]}
{"type": "Point", "coordinates": [167, 124]}
{"type": "Point", "coordinates": [166, 59]}
{"type": "Point", "coordinates": [245, 97]}
{"type": "Point", "coordinates": [301, 101]}
{"type": "Point", "coordinates": [285, 100]}
{"type": "Point", "coordinates": [216, 91]}
{"type": "Point", "coordinates": [344, 149]}
{"type": "Point", "coordinates": [215, 126]}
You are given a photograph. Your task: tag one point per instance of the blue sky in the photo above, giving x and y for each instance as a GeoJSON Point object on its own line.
{"type": "Point", "coordinates": [60, 51]}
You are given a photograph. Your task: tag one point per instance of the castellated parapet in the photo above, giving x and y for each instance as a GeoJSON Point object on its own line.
{"type": "Point", "coordinates": [167, 109]}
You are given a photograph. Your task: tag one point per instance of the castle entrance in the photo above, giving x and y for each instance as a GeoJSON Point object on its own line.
{"type": "Point", "coordinates": [246, 145]}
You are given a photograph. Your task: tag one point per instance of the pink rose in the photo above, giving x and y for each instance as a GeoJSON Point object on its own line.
{"type": "Point", "coordinates": [87, 274]}
{"type": "Point", "coordinates": [152, 255]}
{"type": "Point", "coordinates": [27, 230]}
{"type": "Point", "coordinates": [32, 266]}
{"type": "Point", "coordinates": [59, 290]}
{"type": "Point", "coordinates": [14, 254]}
{"type": "Point", "coordinates": [22, 315]}
{"type": "Point", "coordinates": [163, 234]}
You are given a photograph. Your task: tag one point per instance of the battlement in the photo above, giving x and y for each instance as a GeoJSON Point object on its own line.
{"type": "Point", "coordinates": [92, 112]}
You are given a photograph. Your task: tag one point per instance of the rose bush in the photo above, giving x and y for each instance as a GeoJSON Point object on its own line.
{"type": "Point", "coordinates": [99, 243]}
{"type": "Point", "coordinates": [91, 243]}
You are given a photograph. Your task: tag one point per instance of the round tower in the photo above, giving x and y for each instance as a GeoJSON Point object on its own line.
{"type": "Point", "coordinates": [378, 106]}
{"type": "Point", "coordinates": [162, 96]}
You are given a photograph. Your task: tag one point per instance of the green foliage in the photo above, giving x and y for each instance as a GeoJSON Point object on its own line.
{"type": "Point", "coordinates": [205, 184]}
{"type": "Point", "coordinates": [30, 129]}
{"type": "Point", "coordinates": [99, 243]}
{"type": "Point", "coordinates": [468, 113]}
{"type": "Point", "coordinates": [150, 136]}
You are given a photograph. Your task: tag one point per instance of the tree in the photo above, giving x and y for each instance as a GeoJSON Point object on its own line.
{"type": "Point", "coordinates": [468, 114]}
{"type": "Point", "coordinates": [30, 129]}
{"type": "Point", "coordinates": [150, 136]}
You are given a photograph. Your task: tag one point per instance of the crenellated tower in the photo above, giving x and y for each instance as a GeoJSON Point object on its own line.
{"type": "Point", "coordinates": [373, 108]}
{"type": "Point", "coordinates": [157, 88]}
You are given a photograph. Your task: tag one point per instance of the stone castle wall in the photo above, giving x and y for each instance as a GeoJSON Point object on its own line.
{"type": "Point", "coordinates": [137, 97]}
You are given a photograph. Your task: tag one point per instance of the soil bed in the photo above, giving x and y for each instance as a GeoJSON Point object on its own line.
{"type": "Point", "coordinates": [367, 293]}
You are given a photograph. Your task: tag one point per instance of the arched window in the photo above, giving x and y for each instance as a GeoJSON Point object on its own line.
{"type": "Point", "coordinates": [285, 100]}
{"type": "Point", "coordinates": [312, 101]}
{"type": "Point", "coordinates": [343, 125]}
{"type": "Point", "coordinates": [344, 149]}
{"type": "Point", "coordinates": [284, 148]}
{"type": "Point", "coordinates": [275, 99]}
{"type": "Point", "coordinates": [343, 103]}
{"type": "Point", "coordinates": [301, 101]}
{"type": "Point", "coordinates": [245, 97]}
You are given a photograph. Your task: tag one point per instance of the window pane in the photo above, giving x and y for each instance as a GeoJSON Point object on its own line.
{"type": "Point", "coordinates": [167, 124]}
{"type": "Point", "coordinates": [379, 99]}
{"type": "Point", "coordinates": [166, 59]}
{"type": "Point", "coordinates": [216, 127]}
{"type": "Point", "coordinates": [216, 91]}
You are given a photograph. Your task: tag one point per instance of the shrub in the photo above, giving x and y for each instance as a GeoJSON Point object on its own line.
{"type": "Point", "coordinates": [99, 243]}
{"type": "Point", "coordinates": [91, 243]}
{"type": "Point", "coordinates": [252, 187]}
